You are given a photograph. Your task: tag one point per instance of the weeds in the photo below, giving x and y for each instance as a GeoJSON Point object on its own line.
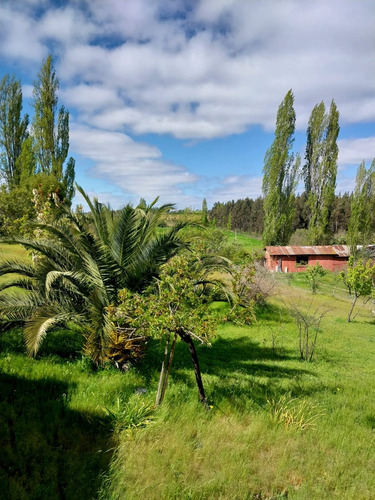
{"type": "Point", "coordinates": [294, 413]}
{"type": "Point", "coordinates": [132, 415]}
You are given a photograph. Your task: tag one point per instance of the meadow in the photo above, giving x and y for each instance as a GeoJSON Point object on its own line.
{"type": "Point", "coordinates": [276, 427]}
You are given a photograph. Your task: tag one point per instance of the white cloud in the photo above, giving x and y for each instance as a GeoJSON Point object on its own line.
{"type": "Point", "coordinates": [354, 151]}
{"type": "Point", "coordinates": [236, 187]}
{"type": "Point", "coordinates": [236, 59]}
{"type": "Point", "coordinates": [132, 166]}
{"type": "Point", "coordinates": [224, 65]}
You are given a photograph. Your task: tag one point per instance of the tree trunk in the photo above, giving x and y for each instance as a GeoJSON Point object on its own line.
{"type": "Point", "coordinates": [171, 354]}
{"type": "Point", "coordinates": [162, 371]}
{"type": "Point", "coordinates": [353, 304]}
{"type": "Point", "coordinates": [194, 357]}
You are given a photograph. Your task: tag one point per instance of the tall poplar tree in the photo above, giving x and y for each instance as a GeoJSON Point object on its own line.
{"type": "Point", "coordinates": [13, 130]}
{"type": "Point", "coordinates": [320, 170]}
{"type": "Point", "coordinates": [361, 226]}
{"type": "Point", "coordinates": [51, 128]}
{"type": "Point", "coordinates": [279, 177]}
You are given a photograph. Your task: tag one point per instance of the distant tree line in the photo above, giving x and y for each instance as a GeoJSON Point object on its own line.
{"type": "Point", "coordinates": [247, 215]}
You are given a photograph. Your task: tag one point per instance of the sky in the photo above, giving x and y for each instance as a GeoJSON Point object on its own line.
{"type": "Point", "coordinates": [178, 98]}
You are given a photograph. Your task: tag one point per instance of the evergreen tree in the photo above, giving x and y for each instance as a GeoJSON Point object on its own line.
{"type": "Point", "coordinates": [51, 134]}
{"type": "Point", "coordinates": [13, 130]}
{"type": "Point", "coordinates": [204, 211]}
{"type": "Point", "coordinates": [362, 220]}
{"type": "Point", "coordinates": [320, 170]}
{"type": "Point", "coordinates": [279, 177]}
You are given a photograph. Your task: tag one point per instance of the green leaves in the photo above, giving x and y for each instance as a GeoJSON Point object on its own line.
{"type": "Point", "coordinates": [313, 273]}
{"type": "Point", "coordinates": [362, 220]}
{"type": "Point", "coordinates": [51, 133]}
{"type": "Point", "coordinates": [359, 279]}
{"type": "Point", "coordinates": [279, 177]}
{"type": "Point", "coordinates": [81, 264]}
{"type": "Point", "coordinates": [13, 129]}
{"type": "Point", "coordinates": [320, 170]}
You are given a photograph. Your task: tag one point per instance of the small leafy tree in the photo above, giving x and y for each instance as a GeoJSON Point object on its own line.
{"type": "Point", "coordinates": [243, 297]}
{"type": "Point", "coordinates": [176, 308]}
{"type": "Point", "coordinates": [359, 279]}
{"type": "Point", "coordinates": [313, 274]}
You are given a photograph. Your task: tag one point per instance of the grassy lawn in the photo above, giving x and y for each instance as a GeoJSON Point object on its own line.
{"type": "Point", "coordinates": [278, 427]}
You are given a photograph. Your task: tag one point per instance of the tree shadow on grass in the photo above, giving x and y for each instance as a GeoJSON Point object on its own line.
{"type": "Point", "coordinates": [47, 450]}
{"type": "Point", "coordinates": [60, 342]}
{"type": "Point", "coordinates": [238, 369]}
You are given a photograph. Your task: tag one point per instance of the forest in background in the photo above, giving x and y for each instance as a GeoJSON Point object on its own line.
{"type": "Point", "coordinates": [247, 215]}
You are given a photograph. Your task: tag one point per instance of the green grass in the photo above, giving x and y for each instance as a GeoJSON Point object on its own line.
{"type": "Point", "coordinates": [278, 427]}
{"type": "Point", "coordinates": [10, 252]}
{"type": "Point", "coordinates": [239, 449]}
{"type": "Point", "coordinates": [249, 243]}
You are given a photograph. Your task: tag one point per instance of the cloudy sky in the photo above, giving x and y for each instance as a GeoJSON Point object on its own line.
{"type": "Point", "coordinates": [178, 98]}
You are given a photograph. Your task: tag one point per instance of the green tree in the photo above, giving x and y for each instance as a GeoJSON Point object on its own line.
{"type": "Point", "coordinates": [83, 263]}
{"type": "Point", "coordinates": [313, 274]}
{"type": "Point", "coordinates": [320, 170]}
{"type": "Point", "coordinates": [204, 212]}
{"type": "Point", "coordinates": [51, 132]}
{"type": "Point", "coordinates": [13, 130]}
{"type": "Point", "coordinates": [176, 309]}
{"type": "Point", "coordinates": [279, 177]}
{"type": "Point", "coordinates": [359, 279]}
{"type": "Point", "coordinates": [362, 219]}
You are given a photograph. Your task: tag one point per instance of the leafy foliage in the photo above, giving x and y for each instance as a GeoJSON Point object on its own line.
{"type": "Point", "coordinates": [13, 130]}
{"type": "Point", "coordinates": [359, 279]}
{"type": "Point", "coordinates": [362, 220]}
{"type": "Point", "coordinates": [279, 177]}
{"type": "Point", "coordinates": [313, 273]}
{"type": "Point", "coordinates": [51, 132]}
{"type": "Point", "coordinates": [177, 306]}
{"type": "Point", "coordinates": [83, 263]}
{"type": "Point", "coordinates": [320, 170]}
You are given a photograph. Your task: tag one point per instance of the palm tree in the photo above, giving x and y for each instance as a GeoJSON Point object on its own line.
{"type": "Point", "coordinates": [81, 264]}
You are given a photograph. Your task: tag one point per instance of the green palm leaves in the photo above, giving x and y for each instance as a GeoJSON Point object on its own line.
{"type": "Point", "coordinates": [80, 264]}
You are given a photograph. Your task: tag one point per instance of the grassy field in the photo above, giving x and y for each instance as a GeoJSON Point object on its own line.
{"type": "Point", "coordinates": [249, 243]}
{"type": "Point", "coordinates": [278, 427]}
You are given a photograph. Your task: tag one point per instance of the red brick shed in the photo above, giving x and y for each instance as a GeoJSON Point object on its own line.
{"type": "Point", "coordinates": [292, 259]}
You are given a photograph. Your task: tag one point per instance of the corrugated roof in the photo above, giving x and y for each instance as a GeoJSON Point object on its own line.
{"type": "Point", "coordinates": [339, 250]}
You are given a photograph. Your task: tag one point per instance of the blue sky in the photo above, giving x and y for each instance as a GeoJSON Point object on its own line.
{"type": "Point", "coordinates": [178, 99]}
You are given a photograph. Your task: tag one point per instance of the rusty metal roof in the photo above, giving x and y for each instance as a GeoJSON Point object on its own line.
{"type": "Point", "coordinates": [338, 250]}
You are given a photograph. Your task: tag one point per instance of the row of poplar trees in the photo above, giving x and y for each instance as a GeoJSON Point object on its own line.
{"type": "Point", "coordinates": [35, 154]}
{"type": "Point", "coordinates": [283, 171]}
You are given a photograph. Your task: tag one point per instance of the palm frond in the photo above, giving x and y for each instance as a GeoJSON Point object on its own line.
{"type": "Point", "coordinates": [18, 282]}
{"type": "Point", "coordinates": [12, 266]}
{"type": "Point", "coordinates": [43, 319]}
